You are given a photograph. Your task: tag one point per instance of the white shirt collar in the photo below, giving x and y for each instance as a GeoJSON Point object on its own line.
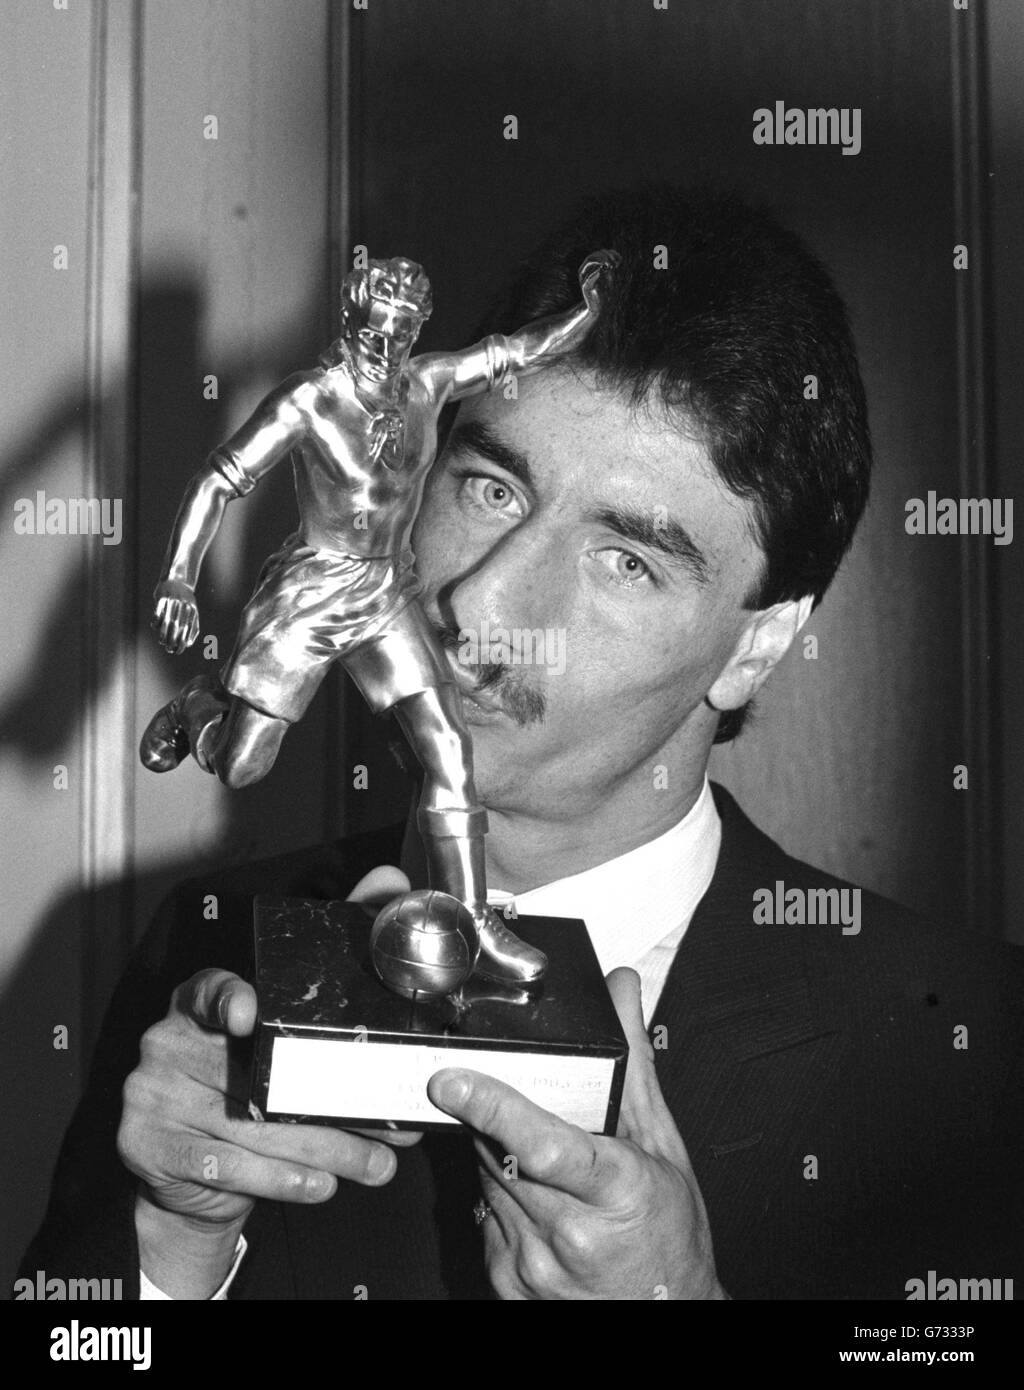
{"type": "Point", "coordinates": [632, 903]}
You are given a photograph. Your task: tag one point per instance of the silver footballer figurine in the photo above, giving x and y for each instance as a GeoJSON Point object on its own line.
{"type": "Point", "coordinates": [361, 429]}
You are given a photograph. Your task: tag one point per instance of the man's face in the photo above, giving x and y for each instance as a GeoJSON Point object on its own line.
{"type": "Point", "coordinates": [613, 564]}
{"type": "Point", "coordinates": [382, 345]}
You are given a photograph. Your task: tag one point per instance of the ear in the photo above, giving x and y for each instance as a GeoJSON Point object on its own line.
{"type": "Point", "coordinates": [763, 643]}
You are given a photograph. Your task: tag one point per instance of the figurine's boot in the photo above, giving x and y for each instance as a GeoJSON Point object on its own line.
{"type": "Point", "coordinates": [453, 841]}
{"type": "Point", "coordinates": [186, 724]}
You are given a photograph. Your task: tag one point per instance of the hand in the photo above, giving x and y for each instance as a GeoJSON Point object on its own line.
{"type": "Point", "coordinates": [202, 1162]}
{"type": "Point", "coordinates": [594, 275]}
{"type": "Point", "coordinates": [175, 616]}
{"type": "Point", "coordinates": [587, 1217]}
{"type": "Point", "coordinates": [185, 1130]}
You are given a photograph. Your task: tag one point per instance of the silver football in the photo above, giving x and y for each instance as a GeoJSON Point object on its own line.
{"type": "Point", "coordinates": [424, 943]}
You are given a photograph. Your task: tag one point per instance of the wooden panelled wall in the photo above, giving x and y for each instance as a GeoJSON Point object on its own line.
{"type": "Point", "coordinates": [192, 258]}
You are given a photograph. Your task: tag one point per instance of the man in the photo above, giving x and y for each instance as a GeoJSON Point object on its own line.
{"type": "Point", "coordinates": [362, 430]}
{"type": "Point", "coordinates": [798, 1121]}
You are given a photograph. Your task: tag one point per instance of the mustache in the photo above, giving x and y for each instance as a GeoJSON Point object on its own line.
{"type": "Point", "coordinates": [517, 698]}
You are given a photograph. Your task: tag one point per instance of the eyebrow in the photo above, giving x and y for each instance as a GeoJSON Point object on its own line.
{"type": "Point", "coordinates": [474, 438]}
{"type": "Point", "coordinates": [668, 537]}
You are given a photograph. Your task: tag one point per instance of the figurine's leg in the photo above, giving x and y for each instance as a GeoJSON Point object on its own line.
{"type": "Point", "coordinates": [452, 827]}
{"type": "Point", "coordinates": [225, 735]}
{"type": "Point", "coordinates": [243, 747]}
{"type": "Point", "coordinates": [177, 727]}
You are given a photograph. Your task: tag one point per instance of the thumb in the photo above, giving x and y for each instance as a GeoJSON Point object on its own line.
{"type": "Point", "coordinates": [644, 1118]}
{"type": "Point", "coordinates": [218, 1000]}
{"type": "Point", "coordinates": [379, 886]}
{"type": "Point", "coordinates": [624, 988]}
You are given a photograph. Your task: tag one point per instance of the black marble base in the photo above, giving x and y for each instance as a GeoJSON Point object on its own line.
{"type": "Point", "coordinates": [334, 1046]}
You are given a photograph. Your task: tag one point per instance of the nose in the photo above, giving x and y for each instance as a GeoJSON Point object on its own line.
{"type": "Point", "coordinates": [522, 581]}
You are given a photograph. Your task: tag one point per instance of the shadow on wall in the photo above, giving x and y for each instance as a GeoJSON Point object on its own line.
{"type": "Point", "coordinates": [175, 435]}
{"type": "Point", "coordinates": [78, 949]}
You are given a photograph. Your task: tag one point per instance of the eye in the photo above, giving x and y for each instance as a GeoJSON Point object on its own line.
{"type": "Point", "coordinates": [625, 568]}
{"type": "Point", "coordinates": [486, 495]}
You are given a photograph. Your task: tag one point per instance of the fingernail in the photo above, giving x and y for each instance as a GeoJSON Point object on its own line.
{"type": "Point", "coordinates": [453, 1090]}
{"type": "Point", "coordinates": [318, 1186]}
{"type": "Point", "coordinates": [380, 1165]}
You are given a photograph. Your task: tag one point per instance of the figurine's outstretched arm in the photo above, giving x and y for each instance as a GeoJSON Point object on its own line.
{"type": "Point", "coordinates": [231, 471]}
{"type": "Point", "coordinates": [455, 375]}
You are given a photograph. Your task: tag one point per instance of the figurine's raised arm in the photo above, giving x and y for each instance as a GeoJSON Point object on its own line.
{"type": "Point", "coordinates": [232, 470]}
{"type": "Point", "coordinates": [453, 375]}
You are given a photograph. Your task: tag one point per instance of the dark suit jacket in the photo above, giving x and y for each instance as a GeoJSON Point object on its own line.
{"type": "Point", "coordinates": [789, 1050]}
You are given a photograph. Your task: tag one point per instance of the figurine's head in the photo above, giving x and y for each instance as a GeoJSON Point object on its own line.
{"type": "Point", "coordinates": [384, 308]}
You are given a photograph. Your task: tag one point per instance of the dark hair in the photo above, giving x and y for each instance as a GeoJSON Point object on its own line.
{"type": "Point", "coordinates": [723, 337]}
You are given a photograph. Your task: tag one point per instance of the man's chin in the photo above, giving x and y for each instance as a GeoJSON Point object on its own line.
{"type": "Point", "coordinates": [514, 768]}
{"type": "Point", "coordinates": [497, 750]}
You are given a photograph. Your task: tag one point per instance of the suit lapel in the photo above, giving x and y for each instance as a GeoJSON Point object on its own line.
{"type": "Point", "coordinates": [744, 1049]}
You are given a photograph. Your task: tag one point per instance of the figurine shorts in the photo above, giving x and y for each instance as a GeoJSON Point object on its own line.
{"type": "Point", "coordinates": [312, 608]}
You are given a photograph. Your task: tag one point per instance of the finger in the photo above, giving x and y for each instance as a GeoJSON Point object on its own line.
{"type": "Point", "coordinates": [379, 886]}
{"type": "Point", "coordinates": [644, 1118]}
{"type": "Point", "coordinates": [182, 624]}
{"type": "Point", "coordinates": [227, 1167]}
{"type": "Point", "coordinates": [504, 1211]}
{"type": "Point", "coordinates": [173, 1114]}
{"type": "Point", "coordinates": [512, 1194]}
{"type": "Point", "coordinates": [545, 1148]}
{"type": "Point", "coordinates": [627, 996]}
{"type": "Point", "coordinates": [505, 1223]}
{"type": "Point", "coordinates": [171, 625]}
{"type": "Point", "coordinates": [518, 1252]}
{"type": "Point", "coordinates": [598, 262]}
{"type": "Point", "coordinates": [397, 1138]}
{"type": "Point", "coordinates": [219, 1000]}
{"type": "Point", "coordinates": [274, 1180]}
{"type": "Point", "coordinates": [314, 1147]}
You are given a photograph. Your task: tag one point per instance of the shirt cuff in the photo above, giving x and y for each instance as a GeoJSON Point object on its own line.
{"type": "Point", "coordinates": [149, 1293]}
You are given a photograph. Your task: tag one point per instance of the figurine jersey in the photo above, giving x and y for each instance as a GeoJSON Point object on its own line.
{"type": "Point", "coordinates": [361, 429]}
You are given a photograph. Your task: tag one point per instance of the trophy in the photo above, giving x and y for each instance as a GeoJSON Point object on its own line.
{"type": "Point", "coordinates": [447, 970]}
